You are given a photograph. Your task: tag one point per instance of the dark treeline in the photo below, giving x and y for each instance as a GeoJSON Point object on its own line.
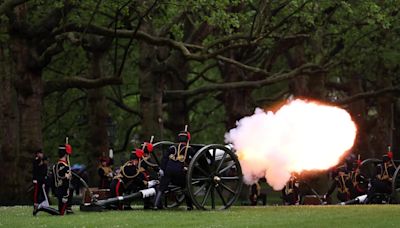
{"type": "Point", "coordinates": [106, 72]}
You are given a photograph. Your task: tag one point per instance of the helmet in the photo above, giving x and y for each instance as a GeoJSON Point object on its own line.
{"type": "Point", "coordinates": [183, 137]}
{"type": "Point", "coordinates": [61, 150]}
{"type": "Point", "coordinates": [64, 149]}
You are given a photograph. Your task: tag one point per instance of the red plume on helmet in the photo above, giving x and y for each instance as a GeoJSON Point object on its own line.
{"type": "Point", "coordinates": [68, 149]}
{"type": "Point", "coordinates": [139, 153]}
{"type": "Point", "coordinates": [390, 153]}
{"type": "Point", "coordinates": [148, 147]}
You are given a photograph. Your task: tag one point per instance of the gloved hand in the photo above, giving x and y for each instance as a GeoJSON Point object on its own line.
{"type": "Point", "coordinates": [160, 173]}
{"type": "Point", "coordinates": [152, 183]}
{"type": "Point", "coordinates": [68, 175]}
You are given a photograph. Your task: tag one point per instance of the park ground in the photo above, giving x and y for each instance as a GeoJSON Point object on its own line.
{"type": "Point", "coordinates": [237, 216]}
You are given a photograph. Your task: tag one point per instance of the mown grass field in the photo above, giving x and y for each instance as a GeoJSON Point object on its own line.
{"type": "Point", "coordinates": [269, 216]}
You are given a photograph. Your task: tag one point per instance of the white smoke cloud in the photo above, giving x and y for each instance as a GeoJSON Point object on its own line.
{"type": "Point", "coordinates": [299, 136]}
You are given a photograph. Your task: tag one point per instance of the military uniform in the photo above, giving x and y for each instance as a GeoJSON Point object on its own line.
{"type": "Point", "coordinates": [105, 173]}
{"type": "Point", "coordinates": [341, 181]}
{"type": "Point", "coordinates": [39, 179]}
{"type": "Point", "coordinates": [62, 178]}
{"type": "Point", "coordinates": [62, 175]}
{"type": "Point", "coordinates": [382, 182]}
{"type": "Point", "coordinates": [131, 178]}
{"type": "Point", "coordinates": [358, 180]}
{"type": "Point", "coordinates": [174, 168]}
{"type": "Point", "coordinates": [256, 194]}
{"type": "Point", "coordinates": [291, 192]}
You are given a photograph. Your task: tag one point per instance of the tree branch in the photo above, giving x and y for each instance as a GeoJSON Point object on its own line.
{"type": "Point", "coordinates": [302, 70]}
{"type": "Point", "coordinates": [368, 94]}
{"type": "Point", "coordinates": [79, 82]}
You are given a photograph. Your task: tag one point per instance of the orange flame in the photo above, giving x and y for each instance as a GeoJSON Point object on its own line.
{"type": "Point", "coordinates": [299, 136]}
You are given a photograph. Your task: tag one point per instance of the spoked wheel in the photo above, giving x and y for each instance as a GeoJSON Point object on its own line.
{"type": "Point", "coordinates": [396, 186]}
{"type": "Point", "coordinates": [173, 197]}
{"type": "Point", "coordinates": [214, 179]}
{"type": "Point", "coordinates": [368, 167]}
{"type": "Point", "coordinates": [156, 155]}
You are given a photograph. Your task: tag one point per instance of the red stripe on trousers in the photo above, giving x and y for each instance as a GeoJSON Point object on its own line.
{"type": "Point", "coordinates": [35, 193]}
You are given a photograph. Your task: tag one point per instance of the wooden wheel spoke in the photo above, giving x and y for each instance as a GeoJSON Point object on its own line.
{"type": "Point", "coordinates": [198, 179]}
{"type": "Point", "coordinates": [231, 164]}
{"type": "Point", "coordinates": [221, 196]}
{"type": "Point", "coordinates": [199, 190]}
{"type": "Point", "coordinates": [201, 170]}
{"type": "Point", "coordinates": [221, 162]}
{"type": "Point", "coordinates": [230, 178]}
{"type": "Point", "coordinates": [214, 154]}
{"type": "Point", "coordinates": [227, 188]}
{"type": "Point", "coordinates": [206, 196]}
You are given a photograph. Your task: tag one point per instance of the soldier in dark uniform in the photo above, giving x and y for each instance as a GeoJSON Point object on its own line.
{"type": "Point", "coordinates": [256, 194]}
{"type": "Point", "coordinates": [359, 181]}
{"type": "Point", "coordinates": [131, 178]}
{"type": "Point", "coordinates": [291, 192]}
{"type": "Point", "coordinates": [105, 173]}
{"type": "Point", "coordinates": [62, 177]}
{"type": "Point", "coordinates": [39, 178]}
{"type": "Point", "coordinates": [343, 183]}
{"type": "Point", "coordinates": [173, 168]}
{"type": "Point", "coordinates": [382, 182]}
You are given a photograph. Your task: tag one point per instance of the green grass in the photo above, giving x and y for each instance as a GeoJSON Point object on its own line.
{"type": "Point", "coordinates": [269, 216]}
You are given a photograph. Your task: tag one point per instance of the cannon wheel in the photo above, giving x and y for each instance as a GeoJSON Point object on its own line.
{"type": "Point", "coordinates": [214, 177]}
{"type": "Point", "coordinates": [396, 186]}
{"type": "Point", "coordinates": [368, 167]}
{"type": "Point", "coordinates": [156, 155]}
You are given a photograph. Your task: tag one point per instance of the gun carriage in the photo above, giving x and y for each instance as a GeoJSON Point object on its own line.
{"type": "Point", "coordinates": [213, 179]}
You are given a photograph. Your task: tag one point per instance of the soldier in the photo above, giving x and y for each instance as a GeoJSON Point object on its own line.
{"type": "Point", "coordinates": [256, 194]}
{"type": "Point", "coordinates": [62, 177]}
{"type": "Point", "coordinates": [343, 183]}
{"type": "Point", "coordinates": [359, 181]}
{"type": "Point", "coordinates": [174, 168]}
{"type": "Point", "coordinates": [105, 173]}
{"type": "Point", "coordinates": [291, 192]}
{"type": "Point", "coordinates": [39, 178]}
{"type": "Point", "coordinates": [131, 178]}
{"type": "Point", "coordinates": [382, 182]}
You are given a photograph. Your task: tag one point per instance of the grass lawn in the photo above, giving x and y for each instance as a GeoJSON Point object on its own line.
{"type": "Point", "coordinates": [243, 216]}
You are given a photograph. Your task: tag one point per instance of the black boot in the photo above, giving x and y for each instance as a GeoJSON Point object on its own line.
{"type": "Point", "coordinates": [189, 202]}
{"type": "Point", "coordinates": [158, 201]}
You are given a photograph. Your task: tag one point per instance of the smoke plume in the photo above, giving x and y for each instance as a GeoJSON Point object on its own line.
{"type": "Point", "coordinates": [300, 136]}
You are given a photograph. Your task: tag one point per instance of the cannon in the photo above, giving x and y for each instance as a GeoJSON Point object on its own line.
{"type": "Point", "coordinates": [214, 179]}
{"type": "Point", "coordinates": [368, 169]}
{"type": "Point", "coordinates": [214, 176]}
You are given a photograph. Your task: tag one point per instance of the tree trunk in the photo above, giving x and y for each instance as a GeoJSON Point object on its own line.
{"type": "Point", "coordinates": [178, 115]}
{"type": "Point", "coordinates": [359, 113]}
{"type": "Point", "coordinates": [9, 145]}
{"type": "Point", "coordinates": [237, 103]}
{"type": "Point", "coordinates": [29, 86]}
{"type": "Point", "coordinates": [97, 144]}
{"type": "Point", "coordinates": [150, 87]}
